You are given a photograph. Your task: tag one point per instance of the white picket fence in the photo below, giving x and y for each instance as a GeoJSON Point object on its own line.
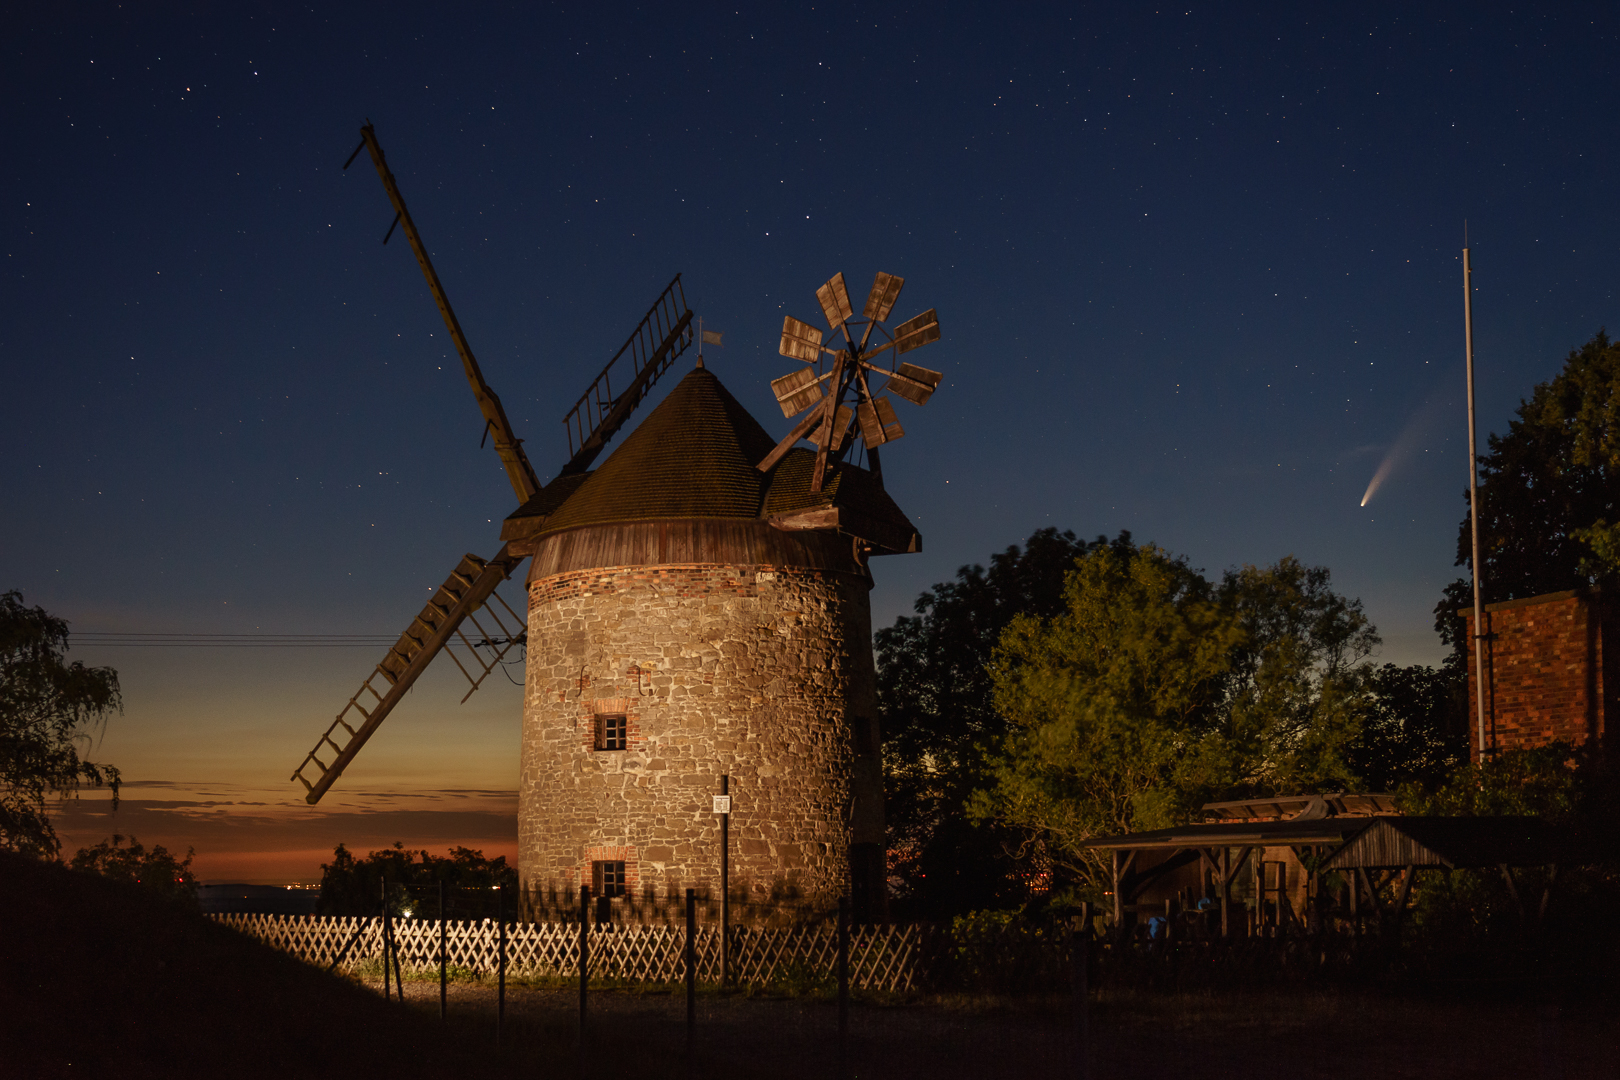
{"type": "Point", "coordinates": [893, 958]}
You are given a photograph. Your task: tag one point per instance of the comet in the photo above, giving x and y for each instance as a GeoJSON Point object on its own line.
{"type": "Point", "coordinates": [1408, 444]}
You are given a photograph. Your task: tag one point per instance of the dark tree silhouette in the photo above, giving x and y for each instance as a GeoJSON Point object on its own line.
{"type": "Point", "coordinates": [351, 886]}
{"type": "Point", "coordinates": [157, 869]}
{"type": "Point", "coordinates": [1543, 486]}
{"type": "Point", "coordinates": [47, 709]}
{"type": "Point", "coordinates": [1416, 728]}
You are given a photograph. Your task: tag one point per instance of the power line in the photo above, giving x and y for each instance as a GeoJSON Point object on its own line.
{"type": "Point", "coordinates": [141, 640]}
{"type": "Point", "coordinates": [137, 640]}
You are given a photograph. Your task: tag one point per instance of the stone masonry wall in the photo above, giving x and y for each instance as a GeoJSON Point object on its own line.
{"type": "Point", "coordinates": [746, 671]}
{"type": "Point", "coordinates": [1544, 672]}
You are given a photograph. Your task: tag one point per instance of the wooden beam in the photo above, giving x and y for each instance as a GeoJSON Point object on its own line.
{"type": "Point", "coordinates": [800, 430]}
{"type": "Point", "coordinates": [1513, 890]}
{"type": "Point", "coordinates": [1140, 882]}
{"type": "Point", "coordinates": [831, 406]}
{"type": "Point", "coordinates": [1407, 877]}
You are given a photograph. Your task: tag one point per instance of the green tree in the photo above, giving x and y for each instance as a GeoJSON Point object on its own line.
{"type": "Point", "coordinates": [1297, 694]}
{"type": "Point", "coordinates": [47, 709]}
{"type": "Point", "coordinates": [1155, 691]}
{"type": "Point", "coordinates": [157, 870]}
{"type": "Point", "coordinates": [1549, 491]}
{"type": "Point", "coordinates": [939, 724]}
{"type": "Point", "coordinates": [351, 886]}
{"type": "Point", "coordinates": [1557, 781]}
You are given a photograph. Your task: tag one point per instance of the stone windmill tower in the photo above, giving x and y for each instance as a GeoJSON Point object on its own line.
{"type": "Point", "coordinates": [697, 608]}
{"type": "Point", "coordinates": [691, 616]}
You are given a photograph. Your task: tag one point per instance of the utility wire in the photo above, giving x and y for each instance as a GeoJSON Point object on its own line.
{"type": "Point", "coordinates": [137, 640]}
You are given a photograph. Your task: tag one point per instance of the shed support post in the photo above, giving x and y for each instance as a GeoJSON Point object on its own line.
{"type": "Point", "coordinates": [1119, 900]}
{"type": "Point", "coordinates": [1546, 894]}
{"type": "Point", "coordinates": [1226, 892]}
{"type": "Point", "coordinates": [1259, 873]}
{"type": "Point", "coordinates": [1513, 891]}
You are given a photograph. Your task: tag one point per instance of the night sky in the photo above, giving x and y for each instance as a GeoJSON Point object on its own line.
{"type": "Point", "coordinates": [1197, 273]}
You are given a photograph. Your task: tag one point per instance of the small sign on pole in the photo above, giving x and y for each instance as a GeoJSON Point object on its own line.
{"type": "Point", "coordinates": [722, 804]}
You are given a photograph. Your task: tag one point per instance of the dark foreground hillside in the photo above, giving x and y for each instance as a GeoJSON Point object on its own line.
{"type": "Point", "coordinates": [101, 979]}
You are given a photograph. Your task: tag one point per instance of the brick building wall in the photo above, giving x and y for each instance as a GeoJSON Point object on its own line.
{"type": "Point", "coordinates": [762, 673]}
{"type": "Point", "coordinates": [1547, 673]}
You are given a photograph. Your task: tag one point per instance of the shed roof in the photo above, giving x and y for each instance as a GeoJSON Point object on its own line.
{"type": "Point", "coordinates": [1218, 834]}
{"type": "Point", "coordinates": [1374, 842]}
{"type": "Point", "coordinates": [1302, 807]}
{"type": "Point", "coordinates": [1452, 842]}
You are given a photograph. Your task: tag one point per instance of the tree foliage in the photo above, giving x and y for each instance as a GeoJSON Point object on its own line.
{"type": "Point", "coordinates": [351, 886]}
{"type": "Point", "coordinates": [47, 709]}
{"type": "Point", "coordinates": [1549, 490]}
{"type": "Point", "coordinates": [1557, 781]}
{"type": "Point", "coordinates": [939, 724]}
{"type": "Point", "coordinates": [1155, 690]}
{"type": "Point", "coordinates": [1415, 730]}
{"type": "Point", "coordinates": [157, 869]}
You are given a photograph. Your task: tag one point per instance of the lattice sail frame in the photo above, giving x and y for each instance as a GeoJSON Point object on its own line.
{"type": "Point", "coordinates": [816, 392]}
{"type": "Point", "coordinates": [663, 334]}
{"type": "Point", "coordinates": [468, 592]}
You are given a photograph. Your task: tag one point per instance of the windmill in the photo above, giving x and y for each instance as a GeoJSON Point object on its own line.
{"type": "Point", "coordinates": [819, 389]}
{"type": "Point", "coordinates": [468, 595]}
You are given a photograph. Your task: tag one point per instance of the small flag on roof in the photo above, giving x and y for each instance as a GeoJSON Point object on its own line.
{"type": "Point", "coordinates": [712, 337]}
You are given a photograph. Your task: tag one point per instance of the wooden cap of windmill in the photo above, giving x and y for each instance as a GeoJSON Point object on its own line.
{"type": "Point", "coordinates": [685, 487]}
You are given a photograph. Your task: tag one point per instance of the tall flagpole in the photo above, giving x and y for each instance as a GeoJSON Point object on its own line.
{"type": "Point", "coordinates": [1480, 636]}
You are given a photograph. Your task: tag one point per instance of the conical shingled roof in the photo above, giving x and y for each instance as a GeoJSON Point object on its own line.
{"type": "Point", "coordinates": [694, 456]}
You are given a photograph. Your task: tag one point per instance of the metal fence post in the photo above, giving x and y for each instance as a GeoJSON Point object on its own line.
{"type": "Point", "coordinates": [393, 947]}
{"type": "Point", "coordinates": [444, 993]}
{"type": "Point", "coordinates": [584, 953]}
{"type": "Point", "coordinates": [500, 961]}
{"type": "Point", "coordinates": [843, 986]}
{"type": "Point", "coordinates": [386, 938]}
{"type": "Point", "coordinates": [691, 972]}
{"type": "Point", "coordinates": [725, 887]}
{"type": "Point", "coordinates": [1082, 989]}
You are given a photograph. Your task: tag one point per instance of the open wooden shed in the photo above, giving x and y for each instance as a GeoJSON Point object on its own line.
{"type": "Point", "coordinates": [1388, 849]}
{"type": "Point", "coordinates": [1374, 851]}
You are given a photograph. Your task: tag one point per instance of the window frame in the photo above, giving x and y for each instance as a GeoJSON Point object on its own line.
{"type": "Point", "coordinates": [610, 878]}
{"type": "Point", "coordinates": [612, 732]}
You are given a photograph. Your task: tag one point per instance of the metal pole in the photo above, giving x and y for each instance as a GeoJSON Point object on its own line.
{"type": "Point", "coordinates": [1082, 989]}
{"type": "Point", "coordinates": [386, 938]}
{"type": "Point", "coordinates": [444, 992]}
{"type": "Point", "coordinates": [584, 953]}
{"type": "Point", "coordinates": [500, 962]}
{"type": "Point", "coordinates": [691, 971]}
{"type": "Point", "coordinates": [393, 947]}
{"type": "Point", "coordinates": [1480, 636]}
{"type": "Point", "coordinates": [725, 888]}
{"type": "Point", "coordinates": [843, 986]}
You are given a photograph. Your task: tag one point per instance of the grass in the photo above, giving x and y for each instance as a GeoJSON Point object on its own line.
{"type": "Point", "coordinates": [99, 979]}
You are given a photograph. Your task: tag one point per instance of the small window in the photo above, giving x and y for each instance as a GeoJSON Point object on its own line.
{"type": "Point", "coordinates": [611, 731]}
{"type": "Point", "coordinates": [609, 877]}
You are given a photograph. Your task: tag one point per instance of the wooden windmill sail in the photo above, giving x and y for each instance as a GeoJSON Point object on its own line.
{"type": "Point", "coordinates": [819, 389]}
{"type": "Point", "coordinates": [457, 614]}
